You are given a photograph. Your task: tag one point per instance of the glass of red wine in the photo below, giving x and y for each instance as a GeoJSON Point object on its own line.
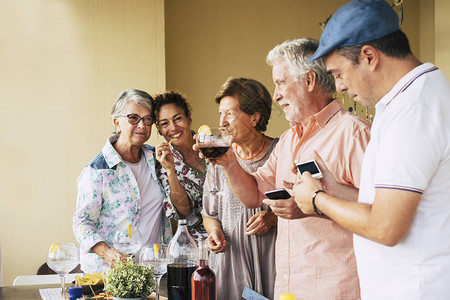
{"type": "Point", "coordinates": [213, 145]}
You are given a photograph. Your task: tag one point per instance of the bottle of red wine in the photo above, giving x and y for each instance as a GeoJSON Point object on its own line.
{"type": "Point", "coordinates": [182, 254]}
{"type": "Point", "coordinates": [203, 279]}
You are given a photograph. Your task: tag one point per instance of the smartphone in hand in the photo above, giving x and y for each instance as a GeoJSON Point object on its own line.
{"type": "Point", "coordinates": [311, 166]}
{"type": "Point", "coordinates": [278, 194]}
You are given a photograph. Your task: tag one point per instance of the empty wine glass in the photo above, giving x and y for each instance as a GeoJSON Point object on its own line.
{"type": "Point", "coordinates": [213, 145]}
{"type": "Point", "coordinates": [155, 256]}
{"type": "Point", "coordinates": [128, 242]}
{"type": "Point", "coordinates": [63, 258]}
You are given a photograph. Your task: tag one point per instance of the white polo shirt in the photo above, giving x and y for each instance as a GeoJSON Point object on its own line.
{"type": "Point", "coordinates": [410, 150]}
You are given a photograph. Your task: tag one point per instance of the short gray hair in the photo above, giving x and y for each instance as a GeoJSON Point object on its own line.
{"type": "Point", "coordinates": [295, 54]}
{"type": "Point", "coordinates": [132, 96]}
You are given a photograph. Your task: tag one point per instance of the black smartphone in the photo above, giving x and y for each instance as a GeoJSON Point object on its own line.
{"type": "Point", "coordinates": [310, 166]}
{"type": "Point", "coordinates": [278, 194]}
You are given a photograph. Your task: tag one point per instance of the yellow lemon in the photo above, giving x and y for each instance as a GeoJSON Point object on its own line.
{"type": "Point", "coordinates": [156, 250]}
{"type": "Point", "coordinates": [54, 247]}
{"type": "Point", "coordinates": [89, 279]}
{"type": "Point", "coordinates": [174, 139]}
{"type": "Point", "coordinates": [205, 129]}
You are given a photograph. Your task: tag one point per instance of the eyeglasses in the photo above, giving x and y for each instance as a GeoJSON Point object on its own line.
{"type": "Point", "coordinates": [134, 119]}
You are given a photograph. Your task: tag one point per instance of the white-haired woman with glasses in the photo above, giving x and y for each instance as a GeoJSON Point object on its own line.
{"type": "Point", "coordinates": [119, 187]}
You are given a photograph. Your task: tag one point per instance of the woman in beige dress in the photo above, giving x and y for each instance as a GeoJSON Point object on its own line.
{"type": "Point", "coordinates": [241, 240]}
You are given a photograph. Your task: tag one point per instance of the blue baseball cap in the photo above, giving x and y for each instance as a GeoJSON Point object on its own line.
{"type": "Point", "coordinates": [357, 22]}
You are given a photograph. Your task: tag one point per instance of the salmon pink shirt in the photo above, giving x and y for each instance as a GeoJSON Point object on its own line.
{"type": "Point", "coordinates": [314, 256]}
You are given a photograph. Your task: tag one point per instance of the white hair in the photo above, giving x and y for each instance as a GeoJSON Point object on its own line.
{"type": "Point", "coordinates": [295, 53]}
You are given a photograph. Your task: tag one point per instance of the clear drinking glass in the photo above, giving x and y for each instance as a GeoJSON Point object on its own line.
{"type": "Point", "coordinates": [155, 256]}
{"type": "Point", "coordinates": [213, 146]}
{"type": "Point", "coordinates": [63, 258]}
{"type": "Point", "coordinates": [128, 242]}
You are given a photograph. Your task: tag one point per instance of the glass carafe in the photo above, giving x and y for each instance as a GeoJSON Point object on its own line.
{"type": "Point", "coordinates": [182, 257]}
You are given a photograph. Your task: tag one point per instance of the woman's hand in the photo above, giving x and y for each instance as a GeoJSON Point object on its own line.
{"type": "Point", "coordinates": [216, 241]}
{"type": "Point", "coordinates": [223, 160]}
{"type": "Point", "coordinates": [165, 156]}
{"type": "Point", "coordinates": [261, 222]}
{"type": "Point", "coordinates": [109, 254]}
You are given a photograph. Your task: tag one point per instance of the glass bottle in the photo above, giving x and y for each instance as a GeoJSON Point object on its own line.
{"type": "Point", "coordinates": [203, 279]}
{"type": "Point", "coordinates": [182, 253]}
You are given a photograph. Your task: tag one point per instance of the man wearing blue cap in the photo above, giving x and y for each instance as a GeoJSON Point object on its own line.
{"type": "Point", "coordinates": [402, 219]}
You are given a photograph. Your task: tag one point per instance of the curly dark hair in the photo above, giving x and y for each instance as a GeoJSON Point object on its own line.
{"type": "Point", "coordinates": [170, 98]}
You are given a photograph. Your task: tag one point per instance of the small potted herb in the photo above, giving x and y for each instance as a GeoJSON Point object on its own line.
{"type": "Point", "coordinates": [129, 281]}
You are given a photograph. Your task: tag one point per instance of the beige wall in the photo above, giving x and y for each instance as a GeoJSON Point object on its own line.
{"type": "Point", "coordinates": [442, 13]}
{"type": "Point", "coordinates": [62, 64]}
{"type": "Point", "coordinates": [208, 41]}
{"type": "Point", "coordinates": [427, 31]}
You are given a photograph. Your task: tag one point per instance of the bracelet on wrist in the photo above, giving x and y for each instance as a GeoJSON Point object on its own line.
{"type": "Point", "coordinates": [314, 202]}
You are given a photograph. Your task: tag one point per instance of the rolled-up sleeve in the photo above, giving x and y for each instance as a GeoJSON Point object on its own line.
{"type": "Point", "coordinates": [354, 155]}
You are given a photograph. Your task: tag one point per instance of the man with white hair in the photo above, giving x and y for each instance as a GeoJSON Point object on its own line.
{"type": "Point", "coordinates": [314, 256]}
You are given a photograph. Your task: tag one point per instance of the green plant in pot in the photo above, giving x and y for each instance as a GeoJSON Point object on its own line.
{"type": "Point", "coordinates": [129, 281]}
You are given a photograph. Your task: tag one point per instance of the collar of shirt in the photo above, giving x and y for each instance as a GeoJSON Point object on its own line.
{"type": "Point", "coordinates": [403, 84]}
{"type": "Point", "coordinates": [113, 158]}
{"type": "Point", "coordinates": [321, 118]}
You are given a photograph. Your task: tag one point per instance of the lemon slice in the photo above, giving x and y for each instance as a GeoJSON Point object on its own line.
{"type": "Point", "coordinates": [129, 230]}
{"type": "Point", "coordinates": [54, 248]}
{"type": "Point", "coordinates": [205, 129]}
{"type": "Point", "coordinates": [156, 250]}
{"type": "Point", "coordinates": [174, 139]}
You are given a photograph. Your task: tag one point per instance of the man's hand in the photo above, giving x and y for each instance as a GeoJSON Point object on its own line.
{"type": "Point", "coordinates": [303, 192]}
{"type": "Point", "coordinates": [331, 186]}
{"type": "Point", "coordinates": [216, 241]}
{"type": "Point", "coordinates": [261, 222]}
{"type": "Point", "coordinates": [328, 182]}
{"type": "Point", "coordinates": [285, 208]}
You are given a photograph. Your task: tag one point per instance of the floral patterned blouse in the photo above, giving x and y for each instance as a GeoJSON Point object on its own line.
{"type": "Point", "coordinates": [192, 180]}
{"type": "Point", "coordinates": [108, 200]}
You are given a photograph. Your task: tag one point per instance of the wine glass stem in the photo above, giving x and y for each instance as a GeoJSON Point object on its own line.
{"type": "Point", "coordinates": [158, 279]}
{"type": "Point", "coordinates": [214, 188]}
{"type": "Point", "coordinates": [63, 283]}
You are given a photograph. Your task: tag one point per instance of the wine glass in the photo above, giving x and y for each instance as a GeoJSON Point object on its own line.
{"type": "Point", "coordinates": [63, 258]}
{"type": "Point", "coordinates": [127, 242]}
{"type": "Point", "coordinates": [213, 145]}
{"type": "Point", "coordinates": [155, 256]}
